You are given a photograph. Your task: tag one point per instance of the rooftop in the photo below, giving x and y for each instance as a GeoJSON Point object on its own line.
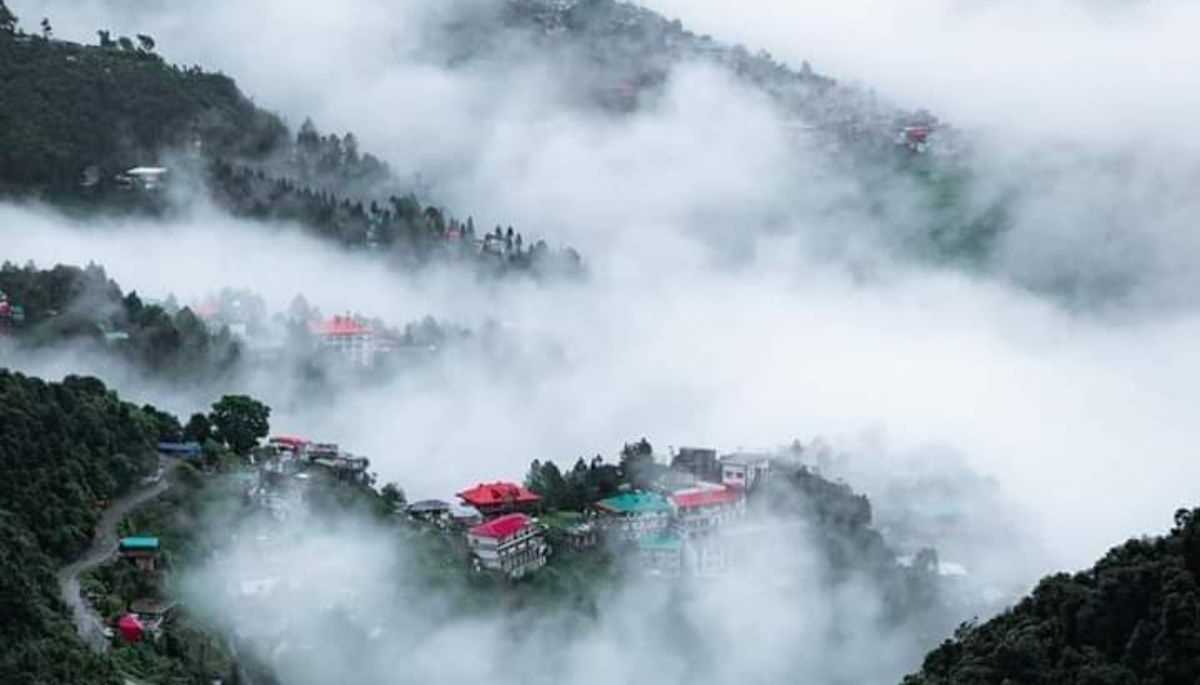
{"type": "Point", "coordinates": [701, 497]}
{"type": "Point", "coordinates": [502, 527]}
{"type": "Point", "coordinates": [340, 325]}
{"type": "Point", "coordinates": [497, 493]}
{"type": "Point", "coordinates": [139, 542]}
{"type": "Point", "coordinates": [635, 503]}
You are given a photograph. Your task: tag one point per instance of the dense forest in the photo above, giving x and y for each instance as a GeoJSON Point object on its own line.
{"type": "Point", "coordinates": [114, 126]}
{"type": "Point", "coordinates": [1132, 619]}
{"type": "Point", "coordinates": [64, 448]}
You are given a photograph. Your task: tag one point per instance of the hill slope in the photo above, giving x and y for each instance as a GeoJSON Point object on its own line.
{"type": "Point", "coordinates": [1133, 618]}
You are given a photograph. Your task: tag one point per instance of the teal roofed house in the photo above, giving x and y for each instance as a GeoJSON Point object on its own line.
{"type": "Point", "coordinates": [142, 550]}
{"type": "Point", "coordinates": [630, 515]}
{"type": "Point", "coordinates": [661, 554]}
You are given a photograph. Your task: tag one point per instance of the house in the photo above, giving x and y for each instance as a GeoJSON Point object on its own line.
{"type": "Point", "coordinates": [703, 509]}
{"type": "Point", "coordinates": [11, 315]}
{"type": "Point", "coordinates": [183, 450]}
{"type": "Point", "coordinates": [144, 178]}
{"type": "Point", "coordinates": [344, 467]}
{"type": "Point", "coordinates": [661, 554]}
{"type": "Point", "coordinates": [288, 445]}
{"type": "Point", "coordinates": [633, 514]}
{"type": "Point", "coordinates": [745, 471]}
{"type": "Point", "coordinates": [142, 550]}
{"type": "Point", "coordinates": [494, 499]}
{"type": "Point", "coordinates": [463, 516]}
{"type": "Point", "coordinates": [151, 614]}
{"type": "Point", "coordinates": [322, 450]}
{"type": "Point", "coordinates": [582, 536]}
{"type": "Point", "coordinates": [699, 462]}
{"type": "Point", "coordinates": [512, 544]}
{"type": "Point", "coordinates": [430, 510]}
{"type": "Point", "coordinates": [347, 337]}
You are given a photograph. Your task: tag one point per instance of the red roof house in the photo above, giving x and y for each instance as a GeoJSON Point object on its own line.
{"type": "Point", "coordinates": [130, 627]}
{"type": "Point", "coordinates": [706, 497]}
{"type": "Point", "coordinates": [500, 498]}
{"type": "Point", "coordinates": [340, 326]}
{"type": "Point", "coordinates": [502, 527]}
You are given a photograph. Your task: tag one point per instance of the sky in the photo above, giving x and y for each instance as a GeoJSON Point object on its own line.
{"type": "Point", "coordinates": [738, 295]}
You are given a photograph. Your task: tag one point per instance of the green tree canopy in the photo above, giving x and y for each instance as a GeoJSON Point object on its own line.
{"type": "Point", "coordinates": [240, 421]}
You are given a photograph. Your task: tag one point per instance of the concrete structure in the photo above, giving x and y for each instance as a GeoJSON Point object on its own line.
{"type": "Point", "coordinates": [144, 178]}
{"type": "Point", "coordinates": [511, 544]}
{"type": "Point", "coordinates": [631, 515]}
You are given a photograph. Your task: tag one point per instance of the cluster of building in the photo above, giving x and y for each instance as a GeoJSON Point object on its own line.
{"type": "Point", "coordinates": [671, 529]}
{"type": "Point", "coordinates": [11, 315]}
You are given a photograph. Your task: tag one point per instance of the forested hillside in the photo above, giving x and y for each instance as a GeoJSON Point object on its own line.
{"type": "Point", "coordinates": [65, 448]}
{"type": "Point", "coordinates": [1132, 619]}
{"type": "Point", "coordinates": [114, 126]}
{"type": "Point", "coordinates": [67, 305]}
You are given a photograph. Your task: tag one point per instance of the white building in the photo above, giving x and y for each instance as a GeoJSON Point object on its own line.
{"type": "Point", "coordinates": [512, 544]}
{"type": "Point", "coordinates": [703, 509]}
{"type": "Point", "coordinates": [745, 470]}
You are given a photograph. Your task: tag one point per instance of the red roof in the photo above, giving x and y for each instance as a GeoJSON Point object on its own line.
{"type": "Point", "coordinates": [502, 527]}
{"type": "Point", "coordinates": [130, 627]}
{"type": "Point", "coordinates": [917, 132]}
{"type": "Point", "coordinates": [296, 443]}
{"type": "Point", "coordinates": [486, 494]}
{"type": "Point", "coordinates": [339, 325]}
{"type": "Point", "coordinates": [704, 498]}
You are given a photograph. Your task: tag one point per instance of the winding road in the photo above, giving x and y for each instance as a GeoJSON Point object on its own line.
{"type": "Point", "coordinates": [104, 546]}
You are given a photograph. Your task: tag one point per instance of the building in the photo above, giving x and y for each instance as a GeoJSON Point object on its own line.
{"type": "Point", "coordinates": [511, 544]}
{"type": "Point", "coordinates": [661, 555]}
{"type": "Point", "coordinates": [430, 510]}
{"type": "Point", "coordinates": [633, 514]}
{"type": "Point", "coordinates": [144, 178]}
{"type": "Point", "coordinates": [745, 471]}
{"type": "Point", "coordinates": [582, 536]}
{"type": "Point", "coordinates": [699, 462]}
{"type": "Point", "coordinates": [142, 550]}
{"type": "Point", "coordinates": [183, 450]}
{"type": "Point", "coordinates": [463, 516]}
{"type": "Point", "coordinates": [151, 614]}
{"type": "Point", "coordinates": [347, 337]}
{"type": "Point", "coordinates": [495, 499]}
{"type": "Point", "coordinates": [287, 445]}
{"type": "Point", "coordinates": [343, 467]}
{"type": "Point", "coordinates": [11, 315]}
{"type": "Point", "coordinates": [702, 510]}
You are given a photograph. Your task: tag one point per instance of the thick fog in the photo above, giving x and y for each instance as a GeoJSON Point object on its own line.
{"type": "Point", "coordinates": [739, 295]}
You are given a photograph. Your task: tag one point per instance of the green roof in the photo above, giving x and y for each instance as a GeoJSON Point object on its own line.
{"type": "Point", "coordinates": [666, 542]}
{"type": "Point", "coordinates": [636, 503]}
{"type": "Point", "coordinates": [139, 542]}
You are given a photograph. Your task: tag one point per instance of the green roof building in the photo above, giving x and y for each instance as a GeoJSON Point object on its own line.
{"type": "Point", "coordinates": [630, 515]}
{"type": "Point", "coordinates": [634, 504]}
{"type": "Point", "coordinates": [140, 543]}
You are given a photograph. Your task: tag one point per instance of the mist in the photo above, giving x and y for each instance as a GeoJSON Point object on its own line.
{"type": "Point", "coordinates": [739, 293]}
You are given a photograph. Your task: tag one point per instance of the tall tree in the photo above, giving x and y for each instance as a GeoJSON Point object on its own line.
{"type": "Point", "coordinates": [240, 421]}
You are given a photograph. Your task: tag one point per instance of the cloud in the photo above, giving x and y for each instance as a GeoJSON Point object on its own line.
{"type": "Point", "coordinates": [742, 291]}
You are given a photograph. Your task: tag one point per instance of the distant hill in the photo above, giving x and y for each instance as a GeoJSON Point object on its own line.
{"type": "Point", "coordinates": [113, 127]}
{"type": "Point", "coordinates": [1132, 619]}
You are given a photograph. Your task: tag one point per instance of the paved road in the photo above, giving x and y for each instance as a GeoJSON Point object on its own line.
{"type": "Point", "coordinates": [104, 546]}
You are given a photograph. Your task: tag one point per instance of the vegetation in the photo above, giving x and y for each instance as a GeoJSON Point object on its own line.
{"type": "Point", "coordinates": [74, 118]}
{"type": "Point", "coordinates": [240, 421]}
{"type": "Point", "coordinates": [65, 447]}
{"type": "Point", "coordinates": [83, 307]}
{"type": "Point", "coordinates": [1132, 619]}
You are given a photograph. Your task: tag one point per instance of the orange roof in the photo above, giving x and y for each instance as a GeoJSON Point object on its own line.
{"type": "Point", "coordinates": [706, 497]}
